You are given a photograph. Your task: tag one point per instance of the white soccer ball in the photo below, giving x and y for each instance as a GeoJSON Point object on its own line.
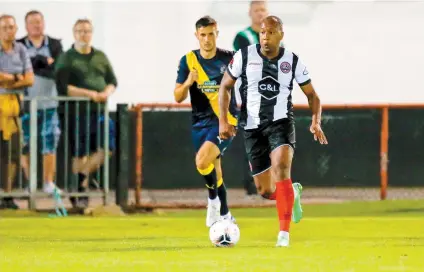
{"type": "Point", "coordinates": [224, 233]}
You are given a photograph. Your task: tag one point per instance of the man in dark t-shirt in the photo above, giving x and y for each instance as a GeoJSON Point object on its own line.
{"type": "Point", "coordinates": [257, 11]}
{"type": "Point", "coordinates": [85, 71]}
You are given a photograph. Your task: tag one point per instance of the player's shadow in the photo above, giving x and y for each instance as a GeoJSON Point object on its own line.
{"type": "Point", "coordinates": [144, 248]}
{"type": "Point", "coordinates": [109, 239]}
{"type": "Point", "coordinates": [405, 210]}
{"type": "Point", "coordinates": [169, 248]}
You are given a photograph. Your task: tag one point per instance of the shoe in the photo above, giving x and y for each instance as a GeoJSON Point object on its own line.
{"type": "Point", "coordinates": [228, 216]}
{"type": "Point", "coordinates": [283, 239]}
{"type": "Point", "coordinates": [50, 188]}
{"type": "Point", "coordinates": [81, 202]}
{"type": "Point", "coordinates": [8, 203]}
{"type": "Point", "coordinates": [213, 212]}
{"type": "Point", "coordinates": [297, 207]}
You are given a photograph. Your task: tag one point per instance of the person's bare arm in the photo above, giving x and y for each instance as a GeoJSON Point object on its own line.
{"type": "Point", "coordinates": [225, 129]}
{"type": "Point", "coordinates": [5, 77]}
{"type": "Point", "coordinates": [185, 79]}
{"type": "Point", "coordinates": [107, 92]}
{"type": "Point", "coordinates": [81, 92]}
{"type": "Point", "coordinates": [315, 106]}
{"type": "Point", "coordinates": [313, 101]}
{"type": "Point", "coordinates": [181, 90]}
{"type": "Point", "coordinates": [227, 83]}
{"type": "Point", "coordinates": [23, 81]}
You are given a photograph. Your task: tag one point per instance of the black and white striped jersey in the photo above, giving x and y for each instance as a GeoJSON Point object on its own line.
{"type": "Point", "coordinates": [266, 85]}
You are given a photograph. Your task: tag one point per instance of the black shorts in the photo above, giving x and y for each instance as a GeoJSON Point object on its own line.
{"type": "Point", "coordinates": [260, 142]}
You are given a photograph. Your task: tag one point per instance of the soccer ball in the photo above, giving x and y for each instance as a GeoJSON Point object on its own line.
{"type": "Point", "coordinates": [224, 233]}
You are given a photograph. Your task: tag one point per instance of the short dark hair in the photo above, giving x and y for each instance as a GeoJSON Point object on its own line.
{"type": "Point", "coordinates": [33, 12]}
{"type": "Point", "coordinates": [205, 21]}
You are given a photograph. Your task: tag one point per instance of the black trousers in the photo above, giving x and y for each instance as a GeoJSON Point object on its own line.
{"type": "Point", "coordinates": [248, 183]}
{"type": "Point", "coordinates": [9, 153]}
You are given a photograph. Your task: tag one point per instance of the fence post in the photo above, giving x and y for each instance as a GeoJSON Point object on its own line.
{"type": "Point", "coordinates": [139, 155]}
{"type": "Point", "coordinates": [123, 125]}
{"type": "Point", "coordinates": [33, 154]}
{"type": "Point", "coordinates": [106, 162]}
{"type": "Point", "coordinates": [384, 150]}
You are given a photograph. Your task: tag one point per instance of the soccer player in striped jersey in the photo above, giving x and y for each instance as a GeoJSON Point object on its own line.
{"type": "Point", "coordinates": [267, 72]}
{"type": "Point", "coordinates": [199, 74]}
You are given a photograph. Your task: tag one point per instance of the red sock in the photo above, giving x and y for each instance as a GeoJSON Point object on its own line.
{"type": "Point", "coordinates": [273, 196]}
{"type": "Point", "coordinates": [285, 200]}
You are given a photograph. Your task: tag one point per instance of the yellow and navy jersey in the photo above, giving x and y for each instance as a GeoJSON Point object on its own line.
{"type": "Point", "coordinates": [204, 92]}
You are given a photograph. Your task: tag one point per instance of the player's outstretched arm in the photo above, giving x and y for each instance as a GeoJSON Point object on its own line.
{"type": "Point", "coordinates": [181, 90]}
{"type": "Point", "coordinates": [315, 106]}
{"type": "Point", "coordinates": [225, 129]}
{"type": "Point", "coordinates": [185, 80]}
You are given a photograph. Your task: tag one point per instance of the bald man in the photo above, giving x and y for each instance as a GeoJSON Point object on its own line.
{"type": "Point", "coordinates": [267, 71]}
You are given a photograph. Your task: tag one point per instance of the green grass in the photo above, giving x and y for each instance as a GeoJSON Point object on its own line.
{"type": "Point", "coordinates": [363, 236]}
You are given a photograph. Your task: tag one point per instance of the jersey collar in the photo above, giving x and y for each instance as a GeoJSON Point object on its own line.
{"type": "Point", "coordinates": [281, 54]}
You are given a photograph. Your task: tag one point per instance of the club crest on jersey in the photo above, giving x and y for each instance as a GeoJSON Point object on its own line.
{"type": "Point", "coordinates": [285, 67]}
{"type": "Point", "coordinates": [269, 88]}
{"type": "Point", "coordinates": [209, 87]}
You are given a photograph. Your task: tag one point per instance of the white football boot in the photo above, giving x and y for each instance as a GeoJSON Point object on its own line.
{"type": "Point", "coordinates": [283, 239]}
{"type": "Point", "coordinates": [213, 212]}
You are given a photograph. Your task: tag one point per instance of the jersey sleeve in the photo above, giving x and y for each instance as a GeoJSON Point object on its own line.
{"type": "Point", "coordinates": [183, 71]}
{"type": "Point", "coordinates": [62, 74]}
{"type": "Point", "coordinates": [302, 74]}
{"type": "Point", "coordinates": [235, 67]}
{"type": "Point", "coordinates": [110, 76]}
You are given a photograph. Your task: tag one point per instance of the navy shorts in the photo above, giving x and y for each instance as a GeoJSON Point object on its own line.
{"type": "Point", "coordinates": [86, 134]}
{"type": "Point", "coordinates": [211, 134]}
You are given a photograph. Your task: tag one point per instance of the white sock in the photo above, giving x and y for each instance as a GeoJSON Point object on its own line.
{"type": "Point", "coordinates": [49, 187]}
{"type": "Point", "coordinates": [48, 184]}
{"type": "Point", "coordinates": [214, 201]}
{"type": "Point", "coordinates": [284, 234]}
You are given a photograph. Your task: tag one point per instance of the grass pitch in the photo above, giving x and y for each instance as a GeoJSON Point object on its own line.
{"type": "Point", "coordinates": [363, 236]}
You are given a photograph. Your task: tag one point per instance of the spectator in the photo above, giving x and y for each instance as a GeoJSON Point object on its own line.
{"type": "Point", "coordinates": [43, 51]}
{"type": "Point", "coordinates": [85, 71]}
{"type": "Point", "coordinates": [15, 75]}
{"type": "Point", "coordinates": [257, 11]}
